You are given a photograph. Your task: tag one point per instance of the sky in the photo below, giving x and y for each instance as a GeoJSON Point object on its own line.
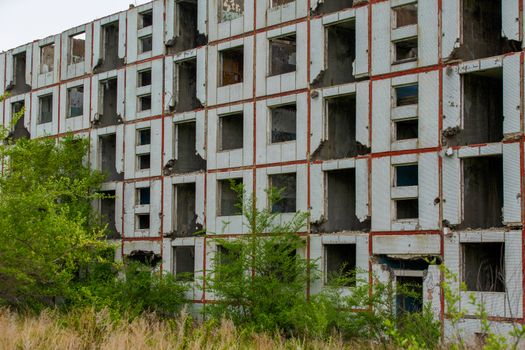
{"type": "Point", "coordinates": [22, 21]}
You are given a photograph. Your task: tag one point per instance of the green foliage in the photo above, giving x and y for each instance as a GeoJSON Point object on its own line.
{"type": "Point", "coordinates": [260, 278]}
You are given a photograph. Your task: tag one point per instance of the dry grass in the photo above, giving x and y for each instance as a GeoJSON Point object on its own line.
{"type": "Point", "coordinates": [90, 330]}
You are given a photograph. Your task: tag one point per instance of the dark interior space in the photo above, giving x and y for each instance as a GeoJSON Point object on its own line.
{"type": "Point", "coordinates": [407, 209]}
{"type": "Point", "coordinates": [45, 111]}
{"type": "Point", "coordinates": [283, 123]}
{"type": "Point", "coordinates": [143, 222]}
{"type": "Point", "coordinates": [143, 161]}
{"type": "Point", "coordinates": [409, 294]}
{"type": "Point", "coordinates": [186, 216]}
{"type": "Point", "coordinates": [107, 157]}
{"type": "Point", "coordinates": [405, 15]}
{"type": "Point", "coordinates": [286, 185]}
{"type": "Point", "coordinates": [108, 103]}
{"type": "Point", "coordinates": [186, 33]}
{"type": "Point", "coordinates": [143, 196]}
{"type": "Point", "coordinates": [340, 262]}
{"type": "Point", "coordinates": [232, 66]}
{"type": "Point", "coordinates": [19, 75]}
{"type": "Point", "coordinates": [186, 86]}
{"type": "Point", "coordinates": [184, 263]}
{"type": "Point", "coordinates": [231, 130]}
{"type": "Point", "coordinates": [481, 31]}
{"type": "Point", "coordinates": [187, 159]}
{"type": "Point", "coordinates": [107, 214]}
{"type": "Point", "coordinates": [283, 53]}
{"type": "Point", "coordinates": [482, 192]}
{"type": "Point", "coordinates": [483, 266]}
{"type": "Point", "coordinates": [328, 6]}
{"type": "Point", "coordinates": [406, 175]}
{"type": "Point", "coordinates": [406, 129]}
{"type": "Point", "coordinates": [19, 130]}
{"type": "Point", "coordinates": [405, 50]}
{"type": "Point", "coordinates": [228, 198]}
{"type": "Point", "coordinates": [110, 59]}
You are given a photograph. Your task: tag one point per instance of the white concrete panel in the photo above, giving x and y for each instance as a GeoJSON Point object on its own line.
{"type": "Point", "coordinates": [3, 62]}
{"type": "Point", "coordinates": [131, 42]}
{"type": "Point", "coordinates": [381, 125]}
{"type": "Point", "coordinates": [432, 289]}
{"type": "Point", "coordinates": [317, 193]}
{"type": "Point", "coordinates": [411, 245]}
{"type": "Point", "coordinates": [451, 97]}
{"type": "Point", "coordinates": [158, 28]}
{"type": "Point", "coordinates": [317, 45]}
{"type": "Point", "coordinates": [361, 44]}
{"type": "Point", "coordinates": [428, 106]}
{"type": "Point", "coordinates": [510, 19]}
{"type": "Point", "coordinates": [381, 208]}
{"type": "Point", "coordinates": [201, 75]}
{"type": "Point", "coordinates": [450, 15]}
{"type": "Point", "coordinates": [428, 185]}
{"type": "Point", "coordinates": [362, 113]}
{"type": "Point", "coordinates": [511, 93]}
{"type": "Point", "coordinates": [202, 15]}
{"type": "Point", "coordinates": [428, 34]}
{"type": "Point", "coordinates": [513, 274]}
{"type": "Point", "coordinates": [381, 38]}
{"type": "Point", "coordinates": [8, 69]}
{"type": "Point", "coordinates": [361, 189]}
{"type": "Point", "coordinates": [511, 184]}
{"type": "Point", "coordinates": [452, 189]}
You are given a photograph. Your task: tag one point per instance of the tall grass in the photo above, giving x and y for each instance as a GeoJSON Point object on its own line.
{"type": "Point", "coordinates": [87, 329]}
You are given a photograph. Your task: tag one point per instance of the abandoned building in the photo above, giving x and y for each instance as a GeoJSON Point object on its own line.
{"type": "Point", "coordinates": [397, 124]}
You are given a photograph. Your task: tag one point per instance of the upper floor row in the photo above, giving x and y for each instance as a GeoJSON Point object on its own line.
{"type": "Point", "coordinates": [346, 40]}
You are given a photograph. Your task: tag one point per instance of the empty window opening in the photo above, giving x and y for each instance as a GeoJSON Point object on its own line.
{"type": "Point", "coordinates": [406, 175]}
{"type": "Point", "coordinates": [186, 26]}
{"type": "Point", "coordinates": [286, 184]}
{"type": "Point", "coordinates": [19, 74]}
{"type": "Point", "coordinates": [19, 130]}
{"type": "Point", "coordinates": [184, 263]}
{"type": "Point", "coordinates": [145, 44]}
{"type": "Point", "coordinates": [340, 129]}
{"type": "Point", "coordinates": [107, 213]}
{"type": "Point", "coordinates": [185, 218]}
{"type": "Point", "coordinates": [409, 294]}
{"type": "Point", "coordinates": [481, 30]}
{"type": "Point", "coordinates": [406, 129]}
{"type": "Point", "coordinates": [482, 192]}
{"type": "Point", "coordinates": [108, 156]}
{"type": "Point", "coordinates": [144, 103]}
{"type": "Point", "coordinates": [144, 78]}
{"type": "Point", "coordinates": [231, 128]}
{"type": "Point", "coordinates": [328, 6]}
{"type": "Point", "coordinates": [483, 266]}
{"type": "Point", "coordinates": [186, 157]}
{"type": "Point", "coordinates": [108, 102]}
{"type": "Point", "coordinates": [77, 48]}
{"type": "Point", "coordinates": [145, 19]}
{"type": "Point", "coordinates": [283, 53]}
{"type": "Point", "coordinates": [225, 262]}
{"type": "Point", "coordinates": [340, 263]}
{"type": "Point", "coordinates": [341, 203]}
{"type": "Point", "coordinates": [143, 137]}
{"type": "Point", "coordinates": [142, 196]}
{"type": "Point", "coordinates": [229, 201]}
{"type": "Point", "coordinates": [186, 86]}
{"type": "Point", "coordinates": [110, 43]}
{"type": "Point", "coordinates": [143, 161]}
{"type": "Point", "coordinates": [75, 101]}
{"type": "Point", "coordinates": [340, 54]}
{"type": "Point", "coordinates": [45, 109]}
{"type": "Point", "coordinates": [232, 66]}
{"type": "Point", "coordinates": [405, 15]}
{"type": "Point", "coordinates": [405, 50]}
{"type": "Point", "coordinates": [283, 123]}
{"type": "Point", "coordinates": [406, 95]}
{"type": "Point", "coordinates": [407, 209]}
{"type": "Point", "coordinates": [47, 58]}
{"type": "Point", "coordinates": [482, 109]}
{"type": "Point", "coordinates": [142, 222]}
{"type": "Point", "coordinates": [276, 3]}
{"type": "Point", "coordinates": [230, 9]}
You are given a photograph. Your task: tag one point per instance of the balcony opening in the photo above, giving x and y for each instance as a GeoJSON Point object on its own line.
{"type": "Point", "coordinates": [483, 266]}
{"type": "Point", "coordinates": [406, 175]}
{"type": "Point", "coordinates": [186, 33]}
{"type": "Point", "coordinates": [19, 75]}
{"type": "Point", "coordinates": [47, 58]}
{"type": "Point", "coordinates": [230, 9]}
{"type": "Point", "coordinates": [482, 192]}
{"type": "Point", "coordinates": [143, 196]}
{"type": "Point", "coordinates": [340, 263]}
{"type": "Point", "coordinates": [232, 66]}
{"type": "Point", "coordinates": [110, 44]}
{"type": "Point", "coordinates": [77, 48]}
{"type": "Point", "coordinates": [283, 53]}
{"type": "Point", "coordinates": [340, 195]}
{"type": "Point", "coordinates": [283, 121]}
{"type": "Point", "coordinates": [186, 86]}
{"type": "Point", "coordinates": [407, 209]}
{"type": "Point", "coordinates": [45, 110]}
{"type": "Point", "coordinates": [185, 218]}
{"type": "Point", "coordinates": [231, 130]}
{"type": "Point", "coordinates": [228, 199]}
{"type": "Point", "coordinates": [108, 103]}
{"type": "Point", "coordinates": [286, 185]}
{"type": "Point", "coordinates": [187, 158]}
{"type": "Point", "coordinates": [184, 263]}
{"type": "Point", "coordinates": [107, 214]}
{"type": "Point", "coordinates": [108, 156]}
{"type": "Point", "coordinates": [75, 102]}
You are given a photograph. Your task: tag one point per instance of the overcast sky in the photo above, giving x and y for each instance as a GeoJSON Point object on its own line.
{"type": "Point", "coordinates": [22, 21]}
